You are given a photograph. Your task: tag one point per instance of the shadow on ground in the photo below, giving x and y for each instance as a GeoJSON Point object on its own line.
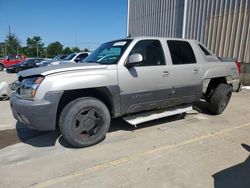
{"type": "Point", "coordinates": [36, 138]}
{"type": "Point", "coordinates": [49, 138]}
{"type": "Point", "coordinates": [202, 107]}
{"type": "Point", "coordinates": [118, 124]}
{"type": "Point", "coordinates": [237, 176]}
{"type": "Point", "coordinates": [28, 136]}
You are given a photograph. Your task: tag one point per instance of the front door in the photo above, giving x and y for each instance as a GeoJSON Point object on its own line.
{"type": "Point", "coordinates": [145, 86]}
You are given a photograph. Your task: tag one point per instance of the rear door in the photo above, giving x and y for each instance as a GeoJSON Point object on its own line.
{"type": "Point", "coordinates": [145, 86]}
{"type": "Point", "coordinates": [185, 73]}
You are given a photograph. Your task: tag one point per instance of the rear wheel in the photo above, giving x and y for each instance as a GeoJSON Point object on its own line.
{"type": "Point", "coordinates": [84, 122]}
{"type": "Point", "coordinates": [220, 98]}
{"type": "Point", "coordinates": [1, 67]}
{"type": "Point", "coordinates": [239, 87]}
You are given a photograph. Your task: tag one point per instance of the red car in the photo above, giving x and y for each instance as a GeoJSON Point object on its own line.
{"type": "Point", "coordinates": [11, 60]}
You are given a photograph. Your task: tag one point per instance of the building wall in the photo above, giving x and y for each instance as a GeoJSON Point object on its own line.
{"type": "Point", "coordinates": [155, 18]}
{"type": "Point", "coordinates": [223, 26]}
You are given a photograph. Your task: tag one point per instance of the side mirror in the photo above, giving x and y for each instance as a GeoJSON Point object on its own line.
{"type": "Point", "coordinates": [135, 59]}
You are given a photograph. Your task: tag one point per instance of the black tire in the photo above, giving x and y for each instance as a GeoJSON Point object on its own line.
{"type": "Point", "coordinates": [220, 98]}
{"type": "Point", "coordinates": [84, 122]}
{"type": "Point", "coordinates": [239, 87]}
{"type": "Point", "coordinates": [17, 70]}
{"type": "Point", "coordinates": [1, 67]}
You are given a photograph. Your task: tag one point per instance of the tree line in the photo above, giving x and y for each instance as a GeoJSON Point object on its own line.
{"type": "Point", "coordinates": [34, 47]}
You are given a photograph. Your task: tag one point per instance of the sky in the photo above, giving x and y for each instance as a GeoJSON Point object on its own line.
{"type": "Point", "coordinates": [85, 23]}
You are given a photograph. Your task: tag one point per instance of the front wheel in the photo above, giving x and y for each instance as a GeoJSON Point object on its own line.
{"type": "Point", "coordinates": [220, 98]}
{"type": "Point", "coordinates": [84, 122]}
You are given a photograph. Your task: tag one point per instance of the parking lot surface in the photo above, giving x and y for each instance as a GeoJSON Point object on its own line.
{"type": "Point", "coordinates": [195, 150]}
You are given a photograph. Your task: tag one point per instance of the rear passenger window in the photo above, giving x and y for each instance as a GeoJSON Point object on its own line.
{"type": "Point", "coordinates": [151, 52]}
{"type": "Point", "coordinates": [181, 52]}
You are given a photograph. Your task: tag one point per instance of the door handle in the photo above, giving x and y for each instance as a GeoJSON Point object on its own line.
{"type": "Point", "coordinates": [195, 71]}
{"type": "Point", "coordinates": [165, 73]}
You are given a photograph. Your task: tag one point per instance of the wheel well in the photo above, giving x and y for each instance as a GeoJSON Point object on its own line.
{"type": "Point", "coordinates": [102, 93]}
{"type": "Point", "coordinates": [214, 82]}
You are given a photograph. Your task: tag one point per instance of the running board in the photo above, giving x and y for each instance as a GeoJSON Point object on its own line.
{"type": "Point", "coordinates": [149, 116]}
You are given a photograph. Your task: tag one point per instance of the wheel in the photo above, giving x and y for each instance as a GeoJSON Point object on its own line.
{"type": "Point", "coordinates": [1, 67]}
{"type": "Point", "coordinates": [84, 122]}
{"type": "Point", "coordinates": [17, 70]}
{"type": "Point", "coordinates": [220, 98]}
{"type": "Point", "coordinates": [239, 87]}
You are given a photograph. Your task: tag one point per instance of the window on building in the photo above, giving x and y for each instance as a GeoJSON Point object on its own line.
{"type": "Point", "coordinates": [151, 51]}
{"type": "Point", "coordinates": [204, 50]}
{"type": "Point", "coordinates": [181, 52]}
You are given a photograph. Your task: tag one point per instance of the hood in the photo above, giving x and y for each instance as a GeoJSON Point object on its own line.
{"type": "Point", "coordinates": [65, 62]}
{"type": "Point", "coordinates": [59, 62]}
{"type": "Point", "coordinates": [60, 68]}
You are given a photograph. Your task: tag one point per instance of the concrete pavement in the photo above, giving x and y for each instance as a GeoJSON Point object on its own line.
{"type": "Point", "coordinates": [6, 118]}
{"type": "Point", "coordinates": [198, 150]}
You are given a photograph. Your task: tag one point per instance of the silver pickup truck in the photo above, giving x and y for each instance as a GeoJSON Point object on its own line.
{"type": "Point", "coordinates": [121, 78]}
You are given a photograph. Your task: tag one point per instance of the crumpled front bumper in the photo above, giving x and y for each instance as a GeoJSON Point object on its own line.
{"type": "Point", "coordinates": [40, 115]}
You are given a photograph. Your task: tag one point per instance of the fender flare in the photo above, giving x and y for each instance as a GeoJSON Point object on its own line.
{"type": "Point", "coordinates": [223, 79]}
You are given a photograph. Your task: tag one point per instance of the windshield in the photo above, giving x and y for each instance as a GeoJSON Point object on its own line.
{"type": "Point", "coordinates": [29, 61]}
{"type": "Point", "coordinates": [22, 62]}
{"type": "Point", "coordinates": [108, 53]}
{"type": "Point", "coordinates": [70, 56]}
{"type": "Point", "coordinates": [56, 57]}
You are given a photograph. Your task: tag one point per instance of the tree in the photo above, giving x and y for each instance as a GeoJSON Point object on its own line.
{"type": "Point", "coordinates": [35, 47]}
{"type": "Point", "coordinates": [24, 50]}
{"type": "Point", "coordinates": [2, 49]}
{"type": "Point", "coordinates": [12, 44]}
{"type": "Point", "coordinates": [66, 50]}
{"type": "Point", "coordinates": [75, 49]}
{"type": "Point", "coordinates": [86, 50]}
{"type": "Point", "coordinates": [54, 49]}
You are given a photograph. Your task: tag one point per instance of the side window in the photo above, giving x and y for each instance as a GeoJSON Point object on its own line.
{"type": "Point", "coordinates": [18, 57]}
{"type": "Point", "coordinates": [82, 56]}
{"type": "Point", "coordinates": [181, 52]}
{"type": "Point", "coordinates": [204, 50]}
{"type": "Point", "coordinates": [151, 51]}
{"type": "Point", "coordinates": [12, 57]}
